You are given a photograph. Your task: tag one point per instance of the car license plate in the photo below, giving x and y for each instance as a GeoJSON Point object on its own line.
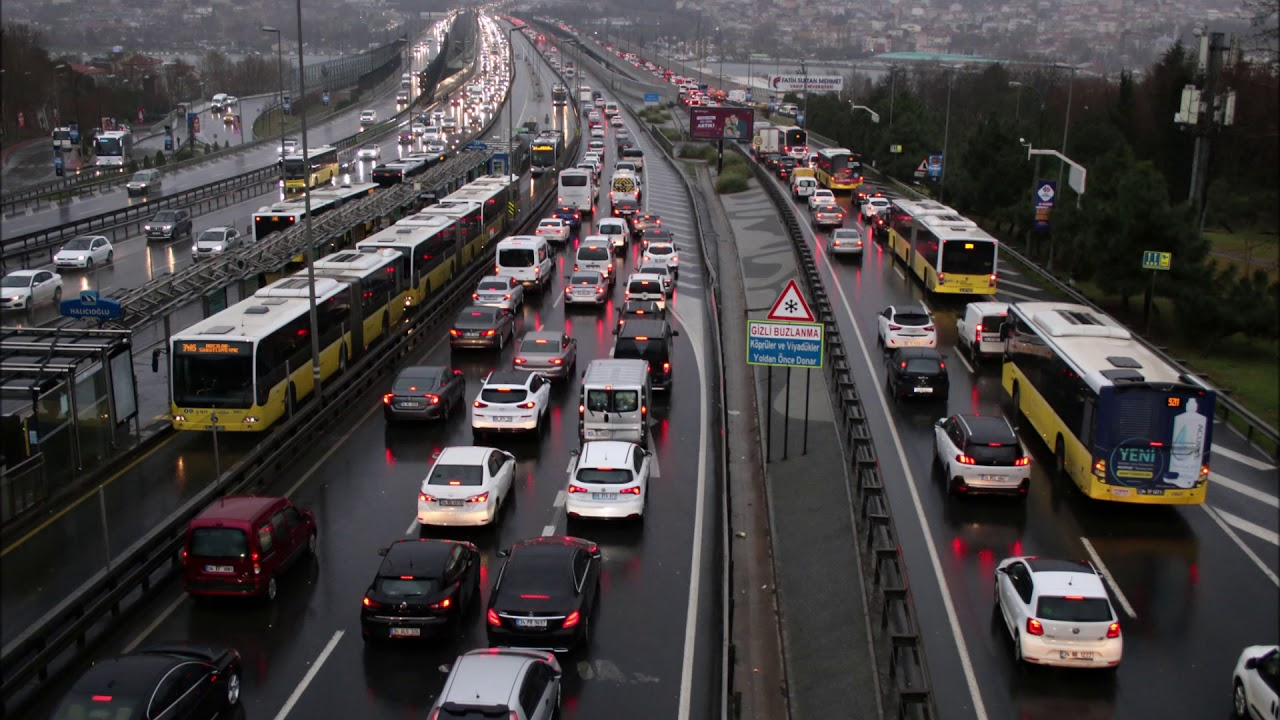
{"type": "Point", "coordinates": [406, 632]}
{"type": "Point", "coordinates": [1075, 654]}
{"type": "Point", "coordinates": [584, 293]}
{"type": "Point", "coordinates": [471, 334]}
{"type": "Point", "coordinates": [409, 404]}
{"type": "Point", "coordinates": [994, 478]}
{"type": "Point", "coordinates": [502, 419]}
{"type": "Point", "coordinates": [596, 434]}
{"type": "Point", "coordinates": [451, 503]}
{"type": "Point", "coordinates": [604, 496]}
{"type": "Point", "coordinates": [224, 569]}
{"type": "Point", "coordinates": [539, 623]}
{"type": "Point", "coordinates": [924, 390]}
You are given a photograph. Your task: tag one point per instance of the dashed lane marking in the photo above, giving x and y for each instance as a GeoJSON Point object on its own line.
{"type": "Point", "coordinates": [548, 531]}
{"type": "Point", "coordinates": [1249, 553]}
{"type": "Point", "coordinates": [1243, 525]}
{"type": "Point", "coordinates": [1226, 452]}
{"type": "Point", "coordinates": [1106, 577]}
{"type": "Point", "coordinates": [561, 497]}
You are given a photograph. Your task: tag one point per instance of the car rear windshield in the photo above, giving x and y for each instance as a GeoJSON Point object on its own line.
{"type": "Point", "coordinates": [1069, 610]}
{"type": "Point", "coordinates": [603, 477]}
{"type": "Point", "coordinates": [407, 588]}
{"type": "Point", "coordinates": [117, 707]}
{"type": "Point", "coordinates": [613, 400]}
{"type": "Point", "coordinates": [219, 542]}
{"type": "Point", "coordinates": [539, 346]}
{"type": "Point", "coordinates": [923, 366]}
{"type": "Point", "coordinates": [988, 454]}
{"type": "Point", "coordinates": [644, 286]}
{"type": "Point", "coordinates": [464, 475]}
{"type": "Point", "coordinates": [655, 351]}
{"type": "Point", "coordinates": [503, 395]}
{"type": "Point", "coordinates": [495, 285]}
{"type": "Point", "coordinates": [585, 278]}
{"type": "Point", "coordinates": [420, 383]}
{"type": "Point", "coordinates": [589, 252]}
{"type": "Point", "coordinates": [913, 319]}
{"type": "Point", "coordinates": [516, 257]}
{"type": "Point", "coordinates": [573, 180]}
{"type": "Point", "coordinates": [656, 249]}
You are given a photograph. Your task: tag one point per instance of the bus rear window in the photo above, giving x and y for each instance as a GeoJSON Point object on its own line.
{"type": "Point", "coordinates": [573, 180]}
{"type": "Point", "coordinates": [968, 257]}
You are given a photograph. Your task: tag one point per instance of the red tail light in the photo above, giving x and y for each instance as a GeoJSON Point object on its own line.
{"type": "Point", "coordinates": [576, 489]}
{"type": "Point", "coordinates": [371, 603]}
{"type": "Point", "coordinates": [492, 618]}
{"type": "Point", "coordinates": [101, 698]}
{"type": "Point", "coordinates": [423, 497]}
{"type": "Point", "coordinates": [928, 328]}
{"type": "Point", "coordinates": [520, 361]}
{"type": "Point", "coordinates": [571, 620]}
{"type": "Point", "coordinates": [666, 367]}
{"type": "Point", "coordinates": [479, 404]}
{"type": "Point", "coordinates": [454, 332]}
{"type": "Point", "coordinates": [557, 361]}
{"type": "Point", "coordinates": [506, 297]}
{"type": "Point", "coordinates": [1113, 630]}
{"type": "Point", "coordinates": [386, 399]}
{"type": "Point", "coordinates": [582, 409]}
{"type": "Point", "coordinates": [475, 296]}
{"type": "Point", "coordinates": [489, 333]}
{"type": "Point", "coordinates": [894, 328]}
{"type": "Point", "coordinates": [992, 279]}
{"type": "Point", "coordinates": [1034, 627]}
{"type": "Point", "coordinates": [433, 399]}
{"type": "Point", "coordinates": [575, 267]}
{"type": "Point", "coordinates": [966, 460]}
{"type": "Point", "coordinates": [526, 406]}
{"type": "Point", "coordinates": [630, 491]}
{"type": "Point", "coordinates": [942, 278]}
{"type": "Point", "coordinates": [1022, 461]}
{"type": "Point", "coordinates": [597, 288]}
{"type": "Point", "coordinates": [482, 497]}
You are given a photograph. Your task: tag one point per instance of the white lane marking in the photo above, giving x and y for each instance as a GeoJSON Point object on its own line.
{"type": "Point", "coordinates": [548, 531]}
{"type": "Point", "coordinates": [413, 525]}
{"type": "Point", "coordinates": [569, 469]}
{"type": "Point", "coordinates": [1252, 493]}
{"type": "Point", "coordinates": [655, 470]}
{"type": "Point", "coordinates": [1243, 459]}
{"type": "Point", "coordinates": [961, 356]}
{"type": "Point", "coordinates": [899, 271]}
{"type": "Point", "coordinates": [1243, 525]}
{"type": "Point", "coordinates": [1106, 577]}
{"type": "Point", "coordinates": [1001, 291]}
{"type": "Point", "coordinates": [311, 675]}
{"type": "Point", "coordinates": [155, 624]}
{"type": "Point", "coordinates": [966, 663]}
{"type": "Point", "coordinates": [1240, 543]}
{"type": "Point", "coordinates": [926, 307]}
{"type": "Point", "coordinates": [561, 497]}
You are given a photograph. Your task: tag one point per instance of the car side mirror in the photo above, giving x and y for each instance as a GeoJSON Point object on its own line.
{"type": "Point", "coordinates": [382, 552]}
{"type": "Point", "coordinates": [675, 333]}
{"type": "Point", "coordinates": [938, 423]}
{"type": "Point", "coordinates": [1003, 570]}
{"type": "Point", "coordinates": [1251, 663]}
{"type": "Point", "coordinates": [457, 373]}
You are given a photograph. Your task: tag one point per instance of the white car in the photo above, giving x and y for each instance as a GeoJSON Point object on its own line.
{"type": "Point", "coordinates": [449, 124]}
{"type": "Point", "coordinates": [501, 291]}
{"type": "Point", "coordinates": [597, 132]}
{"type": "Point", "coordinates": [821, 197]}
{"type": "Point", "coordinates": [610, 479]}
{"type": "Point", "coordinates": [372, 151]}
{"type": "Point", "coordinates": [27, 288]}
{"type": "Point", "coordinates": [466, 486]}
{"type": "Point", "coordinates": [84, 251]}
{"type": "Point", "coordinates": [662, 270]}
{"type": "Point", "coordinates": [418, 129]}
{"type": "Point", "coordinates": [288, 147]}
{"type": "Point", "coordinates": [1058, 613]}
{"type": "Point", "coordinates": [662, 252]}
{"type": "Point", "coordinates": [511, 401]}
{"type": "Point", "coordinates": [980, 454]}
{"type": "Point", "coordinates": [596, 144]}
{"type": "Point", "coordinates": [1255, 685]}
{"type": "Point", "coordinates": [616, 121]}
{"type": "Point", "coordinates": [214, 242]}
{"type": "Point", "coordinates": [553, 230]}
{"type": "Point", "coordinates": [432, 148]}
{"type": "Point", "coordinates": [368, 117]}
{"type": "Point", "coordinates": [845, 241]}
{"type": "Point", "coordinates": [616, 230]}
{"type": "Point", "coordinates": [430, 133]}
{"type": "Point", "coordinates": [906, 326]}
{"type": "Point", "coordinates": [595, 157]}
{"type": "Point", "coordinates": [586, 287]}
{"type": "Point", "coordinates": [873, 206]}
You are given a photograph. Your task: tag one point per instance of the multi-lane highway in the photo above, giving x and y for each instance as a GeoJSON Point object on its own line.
{"type": "Point", "coordinates": [653, 652]}
{"type": "Point", "coordinates": [1194, 585]}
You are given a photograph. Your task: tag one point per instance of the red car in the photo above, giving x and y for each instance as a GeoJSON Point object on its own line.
{"type": "Point", "coordinates": [241, 543]}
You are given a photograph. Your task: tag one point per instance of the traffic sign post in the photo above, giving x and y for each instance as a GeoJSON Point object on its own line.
{"type": "Point", "coordinates": [1155, 261]}
{"type": "Point", "coordinates": [788, 337]}
{"type": "Point", "coordinates": [90, 305]}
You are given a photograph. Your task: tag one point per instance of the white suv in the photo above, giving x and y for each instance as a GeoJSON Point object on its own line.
{"type": "Point", "coordinates": [610, 479]}
{"type": "Point", "coordinates": [1058, 613]}
{"type": "Point", "coordinates": [981, 453]}
{"type": "Point", "coordinates": [524, 684]}
{"type": "Point", "coordinates": [511, 401]}
{"type": "Point", "coordinates": [906, 326]}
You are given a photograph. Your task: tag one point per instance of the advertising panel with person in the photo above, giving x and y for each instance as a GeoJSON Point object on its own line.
{"type": "Point", "coordinates": [720, 123]}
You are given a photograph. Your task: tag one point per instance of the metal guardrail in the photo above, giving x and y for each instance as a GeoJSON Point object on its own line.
{"type": "Point", "coordinates": [895, 631]}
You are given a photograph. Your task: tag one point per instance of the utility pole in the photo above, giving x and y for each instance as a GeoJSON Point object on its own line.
{"type": "Point", "coordinates": [1205, 113]}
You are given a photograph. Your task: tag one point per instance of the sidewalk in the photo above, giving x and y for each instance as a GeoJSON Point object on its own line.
{"type": "Point", "coordinates": [826, 642]}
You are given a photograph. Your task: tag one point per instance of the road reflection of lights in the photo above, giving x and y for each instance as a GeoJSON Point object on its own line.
{"type": "Point", "coordinates": [389, 457]}
{"type": "Point", "coordinates": [526, 485]}
{"type": "Point", "coordinates": [84, 282]}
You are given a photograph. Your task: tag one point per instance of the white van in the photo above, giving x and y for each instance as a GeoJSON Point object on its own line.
{"type": "Point", "coordinates": [527, 258]}
{"type": "Point", "coordinates": [614, 403]}
{"type": "Point", "coordinates": [611, 109]}
{"type": "Point", "coordinates": [802, 186]}
{"type": "Point", "coordinates": [218, 102]}
{"type": "Point", "coordinates": [617, 230]}
{"type": "Point", "coordinates": [978, 329]}
{"type": "Point", "coordinates": [595, 253]}
{"type": "Point", "coordinates": [577, 190]}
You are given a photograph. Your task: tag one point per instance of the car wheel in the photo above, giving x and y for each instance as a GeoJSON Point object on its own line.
{"type": "Point", "coordinates": [57, 295]}
{"type": "Point", "coordinates": [1239, 702]}
{"type": "Point", "coordinates": [272, 589]}
{"type": "Point", "coordinates": [233, 689]}
{"type": "Point", "coordinates": [311, 544]}
{"type": "Point", "coordinates": [111, 255]}
{"type": "Point", "coordinates": [88, 264]}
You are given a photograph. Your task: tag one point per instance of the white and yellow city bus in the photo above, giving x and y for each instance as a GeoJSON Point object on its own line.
{"type": "Point", "coordinates": [948, 252]}
{"type": "Point", "coordinates": [376, 277]}
{"type": "Point", "coordinates": [320, 166]}
{"type": "Point", "coordinates": [429, 250]}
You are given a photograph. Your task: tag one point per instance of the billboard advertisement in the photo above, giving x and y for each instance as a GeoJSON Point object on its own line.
{"type": "Point", "coordinates": [721, 123]}
{"type": "Point", "coordinates": [817, 83]}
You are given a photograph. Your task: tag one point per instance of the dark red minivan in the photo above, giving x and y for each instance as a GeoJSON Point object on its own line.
{"type": "Point", "coordinates": [240, 543]}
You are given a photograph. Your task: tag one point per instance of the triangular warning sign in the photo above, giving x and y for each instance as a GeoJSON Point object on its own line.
{"type": "Point", "coordinates": [790, 306]}
{"type": "Point", "coordinates": [924, 166]}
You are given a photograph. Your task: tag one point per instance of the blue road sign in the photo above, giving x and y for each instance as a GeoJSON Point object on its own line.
{"type": "Point", "coordinates": [800, 119]}
{"type": "Point", "coordinates": [935, 166]}
{"type": "Point", "coordinates": [652, 98]}
{"type": "Point", "coordinates": [475, 145]}
{"type": "Point", "coordinates": [89, 305]}
{"type": "Point", "coordinates": [1046, 191]}
{"type": "Point", "coordinates": [781, 344]}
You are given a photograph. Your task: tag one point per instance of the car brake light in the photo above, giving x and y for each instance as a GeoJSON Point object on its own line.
{"type": "Point", "coordinates": [966, 460]}
{"type": "Point", "coordinates": [1113, 630]}
{"type": "Point", "coordinates": [526, 406]}
{"type": "Point", "coordinates": [101, 698]}
{"type": "Point", "coordinates": [492, 618]}
{"type": "Point", "coordinates": [571, 620]}
{"type": "Point", "coordinates": [519, 361]}
{"type": "Point", "coordinates": [489, 333]}
{"type": "Point", "coordinates": [371, 603]}
{"type": "Point", "coordinates": [666, 367]}
{"type": "Point", "coordinates": [1034, 627]}
{"type": "Point", "coordinates": [479, 404]}
{"type": "Point", "coordinates": [576, 489]}
{"type": "Point", "coordinates": [835, 243]}
{"type": "Point", "coordinates": [942, 278]}
{"type": "Point", "coordinates": [454, 332]}
{"type": "Point", "coordinates": [894, 328]}
{"type": "Point", "coordinates": [630, 491]}
{"type": "Point", "coordinates": [1022, 461]}
{"type": "Point", "coordinates": [506, 297]}
{"type": "Point", "coordinates": [992, 279]}
{"type": "Point", "coordinates": [475, 296]}
{"type": "Point", "coordinates": [423, 497]}
{"type": "Point", "coordinates": [433, 399]}
{"type": "Point", "coordinates": [482, 497]}
{"type": "Point", "coordinates": [557, 361]}
{"type": "Point", "coordinates": [928, 328]}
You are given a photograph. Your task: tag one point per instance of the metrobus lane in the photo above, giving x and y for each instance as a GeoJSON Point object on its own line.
{"type": "Point", "coordinates": [362, 482]}
{"type": "Point", "coordinates": [1182, 586]}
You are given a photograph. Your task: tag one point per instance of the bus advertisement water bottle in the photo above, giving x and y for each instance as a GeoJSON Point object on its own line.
{"type": "Point", "coordinates": [1187, 452]}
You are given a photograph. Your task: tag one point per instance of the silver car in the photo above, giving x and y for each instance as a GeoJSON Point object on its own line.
{"type": "Point", "coordinates": [214, 242]}
{"type": "Point", "coordinates": [586, 287]}
{"type": "Point", "coordinates": [553, 354]}
{"type": "Point", "coordinates": [502, 682]}
{"type": "Point", "coordinates": [499, 291]}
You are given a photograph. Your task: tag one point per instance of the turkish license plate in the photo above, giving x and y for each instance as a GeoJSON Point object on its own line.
{"type": "Point", "coordinates": [604, 496]}
{"type": "Point", "coordinates": [451, 503]}
{"type": "Point", "coordinates": [1075, 654]}
{"type": "Point", "coordinates": [502, 419]}
{"type": "Point", "coordinates": [406, 632]}
{"type": "Point", "coordinates": [471, 334]}
{"type": "Point", "coordinates": [532, 623]}
{"type": "Point", "coordinates": [409, 404]}
{"type": "Point", "coordinates": [584, 293]}
{"type": "Point", "coordinates": [596, 433]}
{"type": "Point", "coordinates": [223, 569]}
{"type": "Point", "coordinates": [997, 478]}
{"type": "Point", "coordinates": [923, 390]}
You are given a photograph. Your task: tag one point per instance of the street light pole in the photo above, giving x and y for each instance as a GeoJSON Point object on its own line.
{"type": "Point", "coordinates": [1066, 128]}
{"type": "Point", "coordinates": [946, 135]}
{"type": "Point", "coordinates": [279, 95]}
{"type": "Point", "coordinates": [306, 202]}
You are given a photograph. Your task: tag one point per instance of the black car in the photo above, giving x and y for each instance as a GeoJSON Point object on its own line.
{"type": "Point", "coordinates": [917, 372]}
{"type": "Point", "coordinates": [626, 207]}
{"type": "Point", "coordinates": [623, 140]}
{"type": "Point", "coordinates": [784, 167]}
{"type": "Point", "coordinates": [770, 161]}
{"type": "Point", "coordinates": [165, 681]}
{"type": "Point", "coordinates": [638, 310]}
{"type": "Point", "coordinates": [425, 392]}
{"type": "Point", "coordinates": [545, 594]}
{"type": "Point", "coordinates": [168, 225]}
{"type": "Point", "coordinates": [648, 340]}
{"type": "Point", "coordinates": [569, 214]}
{"type": "Point", "coordinates": [655, 234]}
{"type": "Point", "coordinates": [641, 222]}
{"type": "Point", "coordinates": [423, 587]}
{"type": "Point", "coordinates": [480, 326]}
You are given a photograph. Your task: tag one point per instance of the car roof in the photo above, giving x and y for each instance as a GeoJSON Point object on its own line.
{"type": "Point", "coordinates": [474, 679]}
{"type": "Point", "coordinates": [463, 454]}
{"type": "Point", "coordinates": [605, 453]}
{"type": "Point", "coordinates": [989, 428]}
{"type": "Point", "coordinates": [508, 377]}
{"type": "Point", "coordinates": [651, 277]}
{"type": "Point", "coordinates": [644, 328]}
{"type": "Point", "coordinates": [234, 508]}
{"type": "Point", "coordinates": [1075, 582]}
{"type": "Point", "coordinates": [908, 353]}
{"type": "Point", "coordinates": [421, 558]}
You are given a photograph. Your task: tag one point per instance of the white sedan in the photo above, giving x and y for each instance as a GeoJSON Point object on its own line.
{"type": "Point", "coordinates": [372, 151]}
{"type": "Point", "coordinates": [1058, 613]}
{"type": "Point", "coordinates": [466, 486]}
{"type": "Point", "coordinates": [85, 251]}
{"type": "Point", "coordinates": [845, 241]}
{"type": "Point", "coordinates": [511, 401]}
{"type": "Point", "coordinates": [610, 479]}
{"type": "Point", "coordinates": [1255, 685]}
{"type": "Point", "coordinates": [821, 197]}
{"type": "Point", "coordinates": [553, 230]}
{"type": "Point", "coordinates": [28, 288]}
{"type": "Point", "coordinates": [501, 291]}
{"type": "Point", "coordinates": [597, 132]}
{"type": "Point", "coordinates": [662, 252]}
{"type": "Point", "coordinates": [906, 326]}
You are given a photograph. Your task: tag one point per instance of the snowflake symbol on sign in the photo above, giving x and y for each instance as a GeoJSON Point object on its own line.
{"type": "Point", "coordinates": [792, 306]}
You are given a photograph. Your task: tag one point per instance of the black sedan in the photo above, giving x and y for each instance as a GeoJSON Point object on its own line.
{"type": "Point", "coordinates": [545, 594]}
{"type": "Point", "coordinates": [785, 166]}
{"type": "Point", "coordinates": [423, 587]}
{"type": "Point", "coordinates": [626, 207]}
{"type": "Point", "coordinates": [424, 392]}
{"type": "Point", "coordinates": [482, 327]}
{"type": "Point", "coordinates": [917, 372]}
{"type": "Point", "coordinates": [571, 215]}
{"type": "Point", "coordinates": [770, 161]}
{"type": "Point", "coordinates": [165, 681]}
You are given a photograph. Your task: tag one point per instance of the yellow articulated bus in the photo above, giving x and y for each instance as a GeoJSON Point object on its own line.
{"type": "Point", "coordinates": [838, 169]}
{"type": "Point", "coordinates": [320, 166]}
{"type": "Point", "coordinates": [468, 216]}
{"type": "Point", "coordinates": [287, 213]}
{"type": "Point", "coordinates": [1121, 423]}
{"type": "Point", "coordinates": [376, 277]}
{"type": "Point", "coordinates": [948, 252]}
{"type": "Point", "coordinates": [429, 250]}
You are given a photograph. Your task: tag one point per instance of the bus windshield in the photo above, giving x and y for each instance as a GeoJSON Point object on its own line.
{"type": "Point", "coordinates": [108, 146]}
{"type": "Point", "coordinates": [295, 168]}
{"type": "Point", "coordinates": [544, 155]}
{"type": "Point", "coordinates": [967, 257]}
{"type": "Point", "coordinates": [213, 380]}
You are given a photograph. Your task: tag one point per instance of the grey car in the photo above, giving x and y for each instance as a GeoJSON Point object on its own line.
{"type": "Point", "coordinates": [168, 225]}
{"type": "Point", "coordinates": [480, 326]}
{"type": "Point", "coordinates": [501, 683]}
{"type": "Point", "coordinates": [553, 354]}
{"type": "Point", "coordinates": [425, 392]}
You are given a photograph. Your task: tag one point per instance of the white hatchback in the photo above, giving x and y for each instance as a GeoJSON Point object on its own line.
{"type": "Point", "coordinates": [1058, 613]}
{"type": "Point", "coordinates": [553, 230]}
{"type": "Point", "coordinates": [85, 251]}
{"type": "Point", "coordinates": [609, 479]}
{"type": "Point", "coordinates": [511, 401]}
{"type": "Point", "coordinates": [820, 197]}
{"type": "Point", "coordinates": [662, 252]}
{"type": "Point", "coordinates": [1255, 684]}
{"type": "Point", "coordinates": [466, 486]}
{"type": "Point", "coordinates": [906, 326]}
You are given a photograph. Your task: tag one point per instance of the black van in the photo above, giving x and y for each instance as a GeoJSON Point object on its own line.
{"type": "Point", "coordinates": [651, 341]}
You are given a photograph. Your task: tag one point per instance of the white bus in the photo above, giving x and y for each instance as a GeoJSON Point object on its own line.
{"type": "Point", "coordinates": [428, 251]}
{"type": "Point", "coordinates": [576, 188]}
{"type": "Point", "coordinates": [287, 213]}
{"type": "Point", "coordinates": [113, 149]}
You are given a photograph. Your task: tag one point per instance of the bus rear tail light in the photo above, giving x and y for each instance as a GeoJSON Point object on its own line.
{"type": "Point", "coordinates": [942, 278]}
{"type": "Point", "coordinates": [991, 280]}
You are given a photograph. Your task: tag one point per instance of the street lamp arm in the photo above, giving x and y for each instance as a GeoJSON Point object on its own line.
{"type": "Point", "coordinates": [875, 116]}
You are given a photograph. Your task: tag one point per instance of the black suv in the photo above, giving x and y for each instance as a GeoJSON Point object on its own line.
{"type": "Point", "coordinates": [918, 372]}
{"type": "Point", "coordinates": [168, 225]}
{"type": "Point", "coordinates": [651, 341]}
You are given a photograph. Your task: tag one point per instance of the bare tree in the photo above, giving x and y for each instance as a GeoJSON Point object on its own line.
{"type": "Point", "coordinates": [1264, 18]}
